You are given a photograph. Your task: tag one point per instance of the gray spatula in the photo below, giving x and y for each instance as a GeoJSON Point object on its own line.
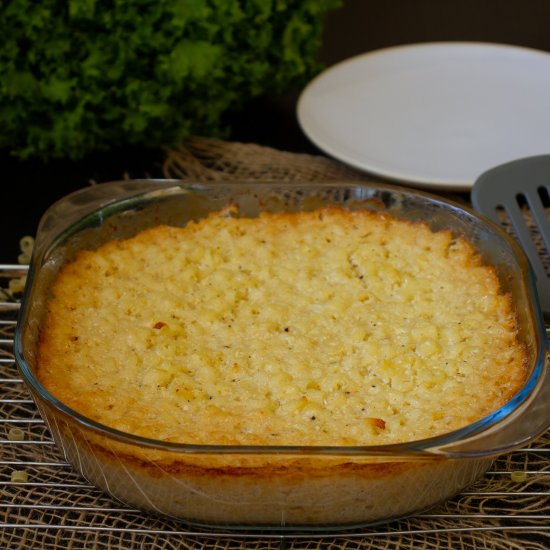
{"type": "Point", "coordinates": [516, 194]}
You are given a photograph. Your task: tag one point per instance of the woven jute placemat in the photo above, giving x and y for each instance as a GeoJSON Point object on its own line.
{"type": "Point", "coordinates": [204, 159]}
{"type": "Point", "coordinates": [58, 512]}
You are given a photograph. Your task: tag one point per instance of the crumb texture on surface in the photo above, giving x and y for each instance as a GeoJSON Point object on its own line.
{"type": "Point", "coordinates": [329, 327]}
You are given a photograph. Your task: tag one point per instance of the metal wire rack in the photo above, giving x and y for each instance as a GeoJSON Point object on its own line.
{"type": "Point", "coordinates": [55, 508]}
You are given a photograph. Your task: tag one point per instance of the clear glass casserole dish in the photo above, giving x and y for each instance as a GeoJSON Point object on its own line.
{"type": "Point", "coordinates": [276, 487]}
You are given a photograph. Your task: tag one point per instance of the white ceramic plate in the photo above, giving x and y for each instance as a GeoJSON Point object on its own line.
{"type": "Point", "coordinates": [435, 115]}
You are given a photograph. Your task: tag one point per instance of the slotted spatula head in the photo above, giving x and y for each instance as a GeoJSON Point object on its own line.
{"type": "Point", "coordinates": [516, 196]}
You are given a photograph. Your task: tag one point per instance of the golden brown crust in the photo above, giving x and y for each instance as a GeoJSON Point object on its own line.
{"type": "Point", "coordinates": [322, 328]}
{"type": "Point", "coordinates": [255, 467]}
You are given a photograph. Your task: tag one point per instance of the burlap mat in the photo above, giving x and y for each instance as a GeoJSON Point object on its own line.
{"type": "Point", "coordinates": [496, 513]}
{"type": "Point", "coordinates": [205, 159]}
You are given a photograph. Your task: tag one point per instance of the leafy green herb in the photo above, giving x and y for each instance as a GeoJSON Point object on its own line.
{"type": "Point", "coordinates": [86, 75]}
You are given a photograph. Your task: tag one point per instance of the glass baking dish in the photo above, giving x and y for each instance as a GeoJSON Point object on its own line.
{"type": "Point", "coordinates": [276, 487]}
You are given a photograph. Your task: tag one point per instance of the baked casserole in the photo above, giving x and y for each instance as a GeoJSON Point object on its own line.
{"type": "Point", "coordinates": [215, 353]}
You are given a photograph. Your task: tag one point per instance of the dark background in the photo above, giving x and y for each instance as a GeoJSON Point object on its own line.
{"type": "Point", "coordinates": [27, 189]}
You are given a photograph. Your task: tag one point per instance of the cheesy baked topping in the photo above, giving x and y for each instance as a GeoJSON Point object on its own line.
{"type": "Point", "coordinates": [330, 327]}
